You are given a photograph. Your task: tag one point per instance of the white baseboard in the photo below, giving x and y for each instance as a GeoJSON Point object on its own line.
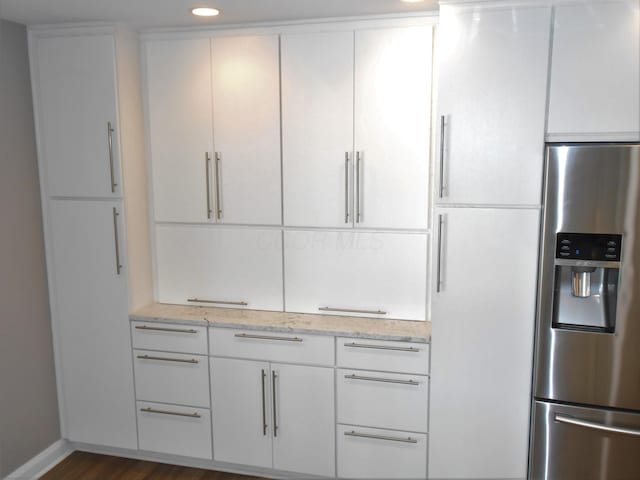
{"type": "Point", "coordinates": [43, 462]}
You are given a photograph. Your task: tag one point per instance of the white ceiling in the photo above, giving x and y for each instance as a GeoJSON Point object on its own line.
{"type": "Point", "coordinates": [176, 13]}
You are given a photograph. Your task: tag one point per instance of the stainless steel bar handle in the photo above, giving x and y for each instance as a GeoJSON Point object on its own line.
{"type": "Point", "coordinates": [353, 433]}
{"type": "Point", "coordinates": [268, 337]}
{"type": "Point", "coordinates": [168, 412]}
{"type": "Point", "coordinates": [382, 347]}
{"type": "Point", "coordinates": [222, 302]}
{"type": "Point", "coordinates": [218, 203]}
{"type": "Point", "coordinates": [274, 377]}
{"type": "Point", "coordinates": [167, 359]}
{"type": "Point", "coordinates": [163, 329]}
{"type": "Point", "coordinates": [442, 139]}
{"type": "Point", "coordinates": [346, 187]}
{"type": "Point", "coordinates": [110, 131]}
{"type": "Point", "coordinates": [351, 310]}
{"type": "Point", "coordinates": [596, 426]}
{"type": "Point", "coordinates": [264, 405]}
{"type": "Point", "coordinates": [117, 240]}
{"type": "Point", "coordinates": [207, 166]}
{"type": "Point", "coordinates": [384, 380]}
{"type": "Point", "coordinates": [358, 163]}
{"type": "Point", "coordinates": [439, 259]}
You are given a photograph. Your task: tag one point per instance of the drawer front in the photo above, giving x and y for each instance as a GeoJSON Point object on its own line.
{"type": "Point", "coordinates": [175, 430]}
{"type": "Point", "coordinates": [172, 377]}
{"type": "Point", "coordinates": [272, 346]}
{"type": "Point", "coordinates": [169, 337]}
{"type": "Point", "coordinates": [382, 355]}
{"type": "Point", "coordinates": [375, 453]}
{"type": "Point", "coordinates": [383, 400]}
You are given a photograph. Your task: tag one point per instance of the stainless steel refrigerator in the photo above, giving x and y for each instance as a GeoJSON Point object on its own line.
{"type": "Point", "coordinates": [586, 383]}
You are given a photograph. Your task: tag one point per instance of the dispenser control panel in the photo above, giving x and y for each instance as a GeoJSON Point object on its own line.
{"type": "Point", "coordinates": [589, 246]}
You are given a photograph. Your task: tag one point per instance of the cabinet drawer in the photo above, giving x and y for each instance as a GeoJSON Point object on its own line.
{"type": "Point", "coordinates": [175, 430]}
{"type": "Point", "coordinates": [374, 453]}
{"type": "Point", "coordinates": [383, 355]}
{"type": "Point", "coordinates": [273, 346]}
{"type": "Point", "coordinates": [171, 377]}
{"type": "Point", "coordinates": [169, 337]}
{"type": "Point", "coordinates": [384, 400]}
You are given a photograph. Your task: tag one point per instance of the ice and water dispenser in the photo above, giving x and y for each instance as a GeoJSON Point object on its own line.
{"type": "Point", "coordinates": [585, 291]}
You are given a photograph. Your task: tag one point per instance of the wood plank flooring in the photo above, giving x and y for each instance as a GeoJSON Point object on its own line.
{"type": "Point", "coordinates": [90, 466]}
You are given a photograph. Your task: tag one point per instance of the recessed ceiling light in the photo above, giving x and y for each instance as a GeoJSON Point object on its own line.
{"type": "Point", "coordinates": [205, 11]}
{"type": "Point", "coordinates": [412, 1]}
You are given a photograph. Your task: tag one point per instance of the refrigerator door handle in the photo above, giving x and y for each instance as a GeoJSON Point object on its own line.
{"type": "Point", "coordinates": [596, 426]}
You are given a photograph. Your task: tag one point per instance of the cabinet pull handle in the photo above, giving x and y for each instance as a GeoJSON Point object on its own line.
{"type": "Point", "coordinates": [168, 412]}
{"type": "Point", "coordinates": [596, 426]}
{"type": "Point", "coordinates": [163, 329]}
{"type": "Point", "coordinates": [274, 377]}
{"type": "Point", "coordinates": [267, 337]}
{"type": "Point", "coordinates": [207, 168]}
{"type": "Point", "coordinates": [358, 163]}
{"type": "Point", "coordinates": [353, 433]}
{"type": "Point", "coordinates": [264, 405]}
{"type": "Point", "coordinates": [442, 139]}
{"type": "Point", "coordinates": [222, 302]}
{"type": "Point", "coordinates": [352, 310]}
{"type": "Point", "coordinates": [346, 187]}
{"type": "Point", "coordinates": [384, 380]}
{"type": "Point", "coordinates": [439, 255]}
{"type": "Point", "coordinates": [110, 131]}
{"type": "Point", "coordinates": [382, 347]}
{"type": "Point", "coordinates": [167, 359]}
{"type": "Point", "coordinates": [117, 240]}
{"type": "Point", "coordinates": [218, 204]}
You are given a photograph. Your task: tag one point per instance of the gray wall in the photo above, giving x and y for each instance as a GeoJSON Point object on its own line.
{"type": "Point", "coordinates": [28, 403]}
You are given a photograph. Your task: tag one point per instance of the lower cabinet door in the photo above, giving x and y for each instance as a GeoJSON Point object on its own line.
{"type": "Point", "coordinates": [374, 453]}
{"type": "Point", "coordinates": [240, 397]}
{"type": "Point", "coordinates": [303, 419]}
{"type": "Point", "coordinates": [174, 429]}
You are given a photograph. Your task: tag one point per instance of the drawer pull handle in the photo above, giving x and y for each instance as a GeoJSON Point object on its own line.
{"type": "Point", "coordinates": [352, 310]}
{"type": "Point", "coordinates": [168, 412]}
{"type": "Point", "coordinates": [382, 347]}
{"type": "Point", "coordinates": [167, 359]}
{"type": "Point", "coordinates": [596, 426]}
{"type": "Point", "coordinates": [353, 433]}
{"type": "Point", "coordinates": [221, 302]}
{"type": "Point", "coordinates": [163, 329]}
{"type": "Point", "coordinates": [267, 337]}
{"type": "Point", "coordinates": [385, 380]}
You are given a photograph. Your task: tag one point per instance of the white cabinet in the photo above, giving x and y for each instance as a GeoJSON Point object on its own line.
{"type": "Point", "coordinates": [273, 415]}
{"type": "Point", "coordinates": [76, 104]}
{"type": "Point", "coordinates": [233, 267]}
{"type": "Point", "coordinates": [225, 89]}
{"type": "Point", "coordinates": [594, 93]}
{"type": "Point", "coordinates": [375, 175]}
{"type": "Point", "coordinates": [481, 355]}
{"type": "Point", "coordinates": [93, 346]}
{"type": "Point", "coordinates": [352, 273]}
{"type": "Point", "coordinates": [491, 104]}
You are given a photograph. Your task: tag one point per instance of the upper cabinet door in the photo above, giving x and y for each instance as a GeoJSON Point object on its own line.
{"type": "Point", "coordinates": [594, 91]}
{"type": "Point", "coordinates": [180, 129]}
{"type": "Point", "coordinates": [76, 103]}
{"type": "Point", "coordinates": [392, 127]}
{"type": "Point", "coordinates": [493, 89]}
{"type": "Point", "coordinates": [246, 119]}
{"type": "Point", "coordinates": [317, 128]}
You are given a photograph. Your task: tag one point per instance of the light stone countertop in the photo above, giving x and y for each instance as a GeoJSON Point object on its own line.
{"type": "Point", "coordinates": [355, 327]}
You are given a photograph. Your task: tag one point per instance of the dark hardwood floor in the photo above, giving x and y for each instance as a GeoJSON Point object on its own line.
{"type": "Point", "coordinates": [90, 466]}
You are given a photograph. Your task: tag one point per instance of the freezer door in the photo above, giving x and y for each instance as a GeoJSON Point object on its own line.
{"type": "Point", "coordinates": [575, 443]}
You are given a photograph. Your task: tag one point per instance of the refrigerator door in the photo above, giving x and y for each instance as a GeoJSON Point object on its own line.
{"type": "Point", "coordinates": [575, 443]}
{"type": "Point", "coordinates": [591, 189]}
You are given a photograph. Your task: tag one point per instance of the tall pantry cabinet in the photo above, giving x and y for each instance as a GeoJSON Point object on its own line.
{"type": "Point", "coordinates": [489, 162]}
{"type": "Point", "coordinates": [89, 128]}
